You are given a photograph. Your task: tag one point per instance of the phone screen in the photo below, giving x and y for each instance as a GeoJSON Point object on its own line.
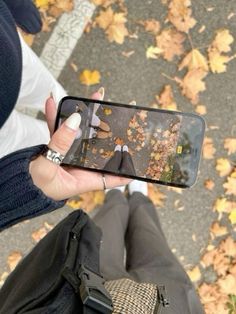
{"type": "Point", "coordinates": [149, 144]}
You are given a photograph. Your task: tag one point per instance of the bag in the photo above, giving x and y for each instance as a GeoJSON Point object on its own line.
{"type": "Point", "coordinates": [61, 274]}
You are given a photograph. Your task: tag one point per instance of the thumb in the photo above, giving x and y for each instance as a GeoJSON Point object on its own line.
{"type": "Point", "coordinates": [64, 137]}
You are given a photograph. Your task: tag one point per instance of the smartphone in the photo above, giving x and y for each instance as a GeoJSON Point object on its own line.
{"type": "Point", "coordinates": [153, 145]}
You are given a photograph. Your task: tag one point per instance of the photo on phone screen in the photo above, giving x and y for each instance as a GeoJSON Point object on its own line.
{"type": "Point", "coordinates": [156, 145]}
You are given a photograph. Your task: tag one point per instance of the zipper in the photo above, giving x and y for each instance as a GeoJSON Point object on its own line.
{"type": "Point", "coordinates": [163, 300]}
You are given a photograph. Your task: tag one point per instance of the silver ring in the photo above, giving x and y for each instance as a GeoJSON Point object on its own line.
{"type": "Point", "coordinates": [104, 182]}
{"type": "Point", "coordinates": [53, 156]}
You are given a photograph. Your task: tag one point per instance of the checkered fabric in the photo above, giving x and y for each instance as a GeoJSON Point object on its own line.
{"type": "Point", "coordinates": [131, 297]}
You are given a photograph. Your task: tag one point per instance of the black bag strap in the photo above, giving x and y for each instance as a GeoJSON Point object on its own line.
{"type": "Point", "coordinates": [82, 268]}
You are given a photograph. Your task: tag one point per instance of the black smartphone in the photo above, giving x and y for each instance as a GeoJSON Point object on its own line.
{"type": "Point", "coordinates": [153, 145]}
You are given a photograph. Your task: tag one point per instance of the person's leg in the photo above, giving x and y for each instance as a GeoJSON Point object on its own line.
{"type": "Point", "coordinates": [20, 131]}
{"type": "Point", "coordinates": [113, 163]}
{"type": "Point", "coordinates": [112, 218]}
{"type": "Point", "coordinates": [149, 258]}
{"type": "Point", "coordinates": [127, 166]}
{"type": "Point", "coordinates": [37, 82]}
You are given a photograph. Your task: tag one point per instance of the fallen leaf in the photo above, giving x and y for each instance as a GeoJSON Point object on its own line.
{"type": "Point", "coordinates": [230, 186]}
{"type": "Point", "coordinates": [192, 84]}
{"type": "Point", "coordinates": [223, 40]}
{"type": "Point", "coordinates": [222, 205]}
{"type": "Point", "coordinates": [217, 61]}
{"type": "Point", "coordinates": [13, 259]}
{"type": "Point", "coordinates": [119, 141]}
{"type": "Point", "coordinates": [228, 284]}
{"type": "Point", "coordinates": [209, 184]}
{"type": "Point", "coordinates": [232, 216]}
{"type": "Point", "coordinates": [194, 60]}
{"type": "Point", "coordinates": [180, 15]}
{"type": "Point", "coordinates": [152, 26]}
{"type": "Point", "coordinates": [170, 42]}
{"type": "Point", "coordinates": [39, 234]}
{"type": "Point", "coordinates": [218, 230]}
{"type": "Point", "coordinates": [208, 148]}
{"type": "Point", "coordinates": [113, 24]}
{"type": "Point", "coordinates": [230, 145]}
{"type": "Point", "coordinates": [194, 274]}
{"type": "Point", "coordinates": [201, 109]}
{"type": "Point", "coordinates": [88, 201]}
{"type": "Point", "coordinates": [104, 3]}
{"type": "Point", "coordinates": [166, 99]}
{"type": "Point", "coordinates": [223, 166]}
{"type": "Point", "coordinates": [128, 54]}
{"type": "Point", "coordinates": [89, 78]}
{"type": "Point", "coordinates": [107, 111]}
{"type": "Point", "coordinates": [43, 4]}
{"type": "Point", "coordinates": [156, 196]}
{"type": "Point", "coordinates": [3, 278]}
{"type": "Point", "coordinates": [202, 29]}
{"type": "Point", "coordinates": [153, 52]}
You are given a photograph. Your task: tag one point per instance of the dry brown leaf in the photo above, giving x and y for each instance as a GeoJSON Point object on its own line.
{"type": "Point", "coordinates": [39, 234]}
{"type": "Point", "coordinates": [209, 184]}
{"type": "Point", "coordinates": [208, 148]}
{"type": "Point", "coordinates": [89, 78]}
{"type": "Point", "coordinates": [230, 145]}
{"type": "Point", "coordinates": [194, 60]}
{"type": "Point", "coordinates": [166, 99]}
{"type": "Point", "coordinates": [228, 284]}
{"type": "Point", "coordinates": [223, 40]}
{"type": "Point", "coordinates": [201, 109]}
{"type": "Point", "coordinates": [192, 84]}
{"type": "Point", "coordinates": [113, 24]}
{"type": "Point", "coordinates": [230, 186]}
{"type": "Point", "coordinates": [13, 259]}
{"type": "Point", "coordinates": [104, 3]}
{"type": "Point", "coordinates": [217, 61]}
{"type": "Point", "coordinates": [156, 196]}
{"type": "Point", "coordinates": [223, 166]}
{"type": "Point", "coordinates": [180, 15]}
{"type": "Point", "coordinates": [152, 26]}
{"type": "Point", "coordinates": [194, 274]}
{"type": "Point", "coordinates": [170, 42]}
{"type": "Point", "coordinates": [218, 230]}
{"type": "Point", "coordinates": [228, 246]}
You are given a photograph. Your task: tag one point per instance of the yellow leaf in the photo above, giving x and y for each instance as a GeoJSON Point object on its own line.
{"type": "Point", "coordinates": [230, 186]}
{"type": "Point", "coordinates": [222, 205]}
{"type": "Point", "coordinates": [230, 145]}
{"type": "Point", "coordinates": [107, 111]}
{"type": "Point", "coordinates": [228, 284]}
{"type": "Point", "coordinates": [155, 195]}
{"type": "Point", "coordinates": [153, 52]}
{"type": "Point", "coordinates": [232, 216]}
{"type": "Point", "coordinates": [201, 109]}
{"type": "Point", "coordinates": [223, 40]}
{"type": "Point", "coordinates": [39, 234]}
{"type": "Point", "coordinates": [13, 259]}
{"type": "Point", "coordinates": [218, 62]}
{"type": "Point", "coordinates": [43, 4]}
{"type": "Point", "coordinates": [223, 166]}
{"type": "Point", "coordinates": [89, 78]}
{"type": "Point", "coordinates": [194, 274]}
{"type": "Point", "coordinates": [194, 60]}
{"type": "Point", "coordinates": [208, 148]}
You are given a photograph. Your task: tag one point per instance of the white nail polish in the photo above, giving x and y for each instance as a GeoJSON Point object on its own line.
{"type": "Point", "coordinates": [73, 122]}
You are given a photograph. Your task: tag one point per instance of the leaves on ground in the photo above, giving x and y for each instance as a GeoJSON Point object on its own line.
{"type": "Point", "coordinates": [230, 145]}
{"type": "Point", "coordinates": [170, 42]}
{"type": "Point", "coordinates": [87, 201]}
{"type": "Point", "coordinates": [194, 60]}
{"type": "Point", "coordinates": [113, 24]}
{"type": "Point", "coordinates": [156, 195]}
{"type": "Point", "coordinates": [13, 259]}
{"type": "Point", "coordinates": [89, 78]}
{"type": "Point", "coordinates": [223, 166]}
{"type": "Point", "coordinates": [208, 148]}
{"type": "Point", "coordinates": [166, 99]}
{"type": "Point", "coordinates": [194, 274]}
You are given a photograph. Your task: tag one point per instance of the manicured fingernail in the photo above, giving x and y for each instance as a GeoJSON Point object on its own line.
{"type": "Point", "coordinates": [73, 122]}
{"type": "Point", "coordinates": [133, 103]}
{"type": "Point", "coordinates": [101, 91]}
{"type": "Point", "coordinates": [51, 95]}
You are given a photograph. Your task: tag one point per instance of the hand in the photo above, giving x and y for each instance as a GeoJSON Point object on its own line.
{"type": "Point", "coordinates": [59, 182]}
